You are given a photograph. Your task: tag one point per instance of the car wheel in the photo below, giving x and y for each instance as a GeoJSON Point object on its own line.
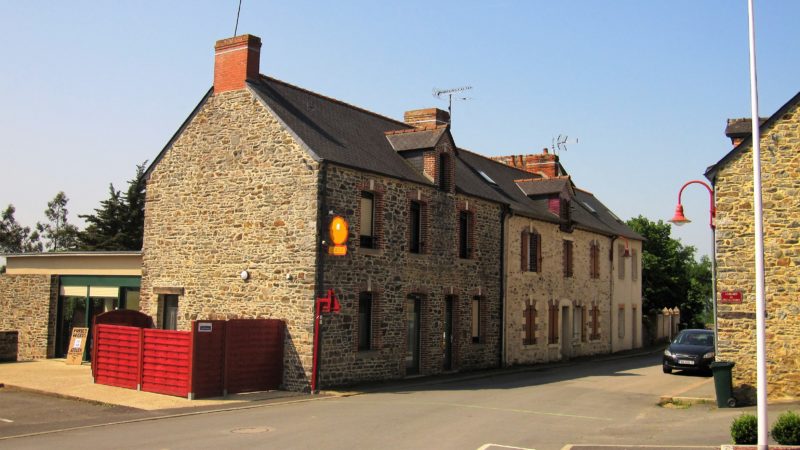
{"type": "Point", "coordinates": [731, 402]}
{"type": "Point", "coordinates": [666, 369]}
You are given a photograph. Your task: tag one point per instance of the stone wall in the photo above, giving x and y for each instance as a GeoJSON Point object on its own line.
{"type": "Point", "coordinates": [235, 192]}
{"type": "Point", "coordinates": [539, 289]}
{"type": "Point", "coordinates": [780, 146]}
{"type": "Point", "coordinates": [28, 303]}
{"type": "Point", "coordinates": [392, 273]}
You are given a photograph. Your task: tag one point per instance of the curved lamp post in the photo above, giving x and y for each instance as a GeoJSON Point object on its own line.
{"type": "Point", "coordinates": [679, 219]}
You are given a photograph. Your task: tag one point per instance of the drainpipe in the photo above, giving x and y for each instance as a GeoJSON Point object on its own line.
{"type": "Point", "coordinates": [611, 297]}
{"type": "Point", "coordinates": [503, 296]}
{"type": "Point", "coordinates": [320, 276]}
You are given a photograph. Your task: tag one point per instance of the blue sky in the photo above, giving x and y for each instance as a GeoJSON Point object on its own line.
{"type": "Point", "coordinates": [90, 89]}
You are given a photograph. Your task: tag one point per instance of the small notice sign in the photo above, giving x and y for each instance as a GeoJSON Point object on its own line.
{"type": "Point", "coordinates": [731, 297]}
{"type": "Point", "coordinates": [77, 344]}
{"type": "Point", "coordinates": [204, 327]}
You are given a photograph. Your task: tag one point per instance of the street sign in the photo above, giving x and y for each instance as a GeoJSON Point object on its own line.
{"type": "Point", "coordinates": [731, 297]}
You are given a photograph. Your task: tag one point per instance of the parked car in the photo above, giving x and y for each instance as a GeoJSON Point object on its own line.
{"type": "Point", "coordinates": [690, 350]}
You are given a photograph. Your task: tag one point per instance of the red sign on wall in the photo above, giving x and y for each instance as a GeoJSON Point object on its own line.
{"type": "Point", "coordinates": [731, 297]}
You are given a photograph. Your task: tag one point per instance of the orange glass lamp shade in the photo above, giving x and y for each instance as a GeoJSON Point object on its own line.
{"type": "Point", "coordinates": [679, 219]}
{"type": "Point", "coordinates": [338, 232]}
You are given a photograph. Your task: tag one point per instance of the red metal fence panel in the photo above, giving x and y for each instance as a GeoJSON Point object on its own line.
{"type": "Point", "coordinates": [253, 355]}
{"type": "Point", "coordinates": [166, 362]}
{"type": "Point", "coordinates": [116, 355]}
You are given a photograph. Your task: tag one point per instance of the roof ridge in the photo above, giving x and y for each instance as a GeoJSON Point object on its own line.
{"type": "Point", "coordinates": [488, 158]}
{"type": "Point", "coordinates": [334, 100]}
{"type": "Point", "coordinates": [416, 129]}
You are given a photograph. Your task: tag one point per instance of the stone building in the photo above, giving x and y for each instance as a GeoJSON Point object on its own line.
{"type": "Point", "coordinates": [454, 261]}
{"type": "Point", "coordinates": [249, 184]}
{"type": "Point", "coordinates": [572, 284]}
{"type": "Point", "coordinates": [732, 178]}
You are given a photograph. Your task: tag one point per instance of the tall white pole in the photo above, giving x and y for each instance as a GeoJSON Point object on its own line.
{"type": "Point", "coordinates": [761, 364]}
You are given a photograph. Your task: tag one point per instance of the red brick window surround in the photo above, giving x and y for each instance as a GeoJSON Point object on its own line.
{"type": "Point", "coordinates": [595, 323]}
{"type": "Point", "coordinates": [567, 259]}
{"type": "Point", "coordinates": [531, 251]}
{"type": "Point", "coordinates": [530, 325]}
{"type": "Point", "coordinates": [594, 259]}
{"type": "Point", "coordinates": [370, 215]}
{"type": "Point", "coordinates": [552, 323]}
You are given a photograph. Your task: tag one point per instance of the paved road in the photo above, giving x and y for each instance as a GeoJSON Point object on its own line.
{"type": "Point", "coordinates": [608, 402]}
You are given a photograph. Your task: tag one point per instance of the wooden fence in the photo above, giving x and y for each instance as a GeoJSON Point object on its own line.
{"type": "Point", "coordinates": [215, 358]}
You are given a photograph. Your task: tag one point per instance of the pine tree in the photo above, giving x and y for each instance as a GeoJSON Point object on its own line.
{"type": "Point", "coordinates": [119, 222]}
{"type": "Point", "coordinates": [59, 233]}
{"type": "Point", "coordinates": [15, 238]}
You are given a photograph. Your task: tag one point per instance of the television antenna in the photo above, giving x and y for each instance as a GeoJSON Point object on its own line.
{"type": "Point", "coordinates": [560, 143]}
{"type": "Point", "coordinates": [441, 93]}
{"type": "Point", "coordinates": [239, 10]}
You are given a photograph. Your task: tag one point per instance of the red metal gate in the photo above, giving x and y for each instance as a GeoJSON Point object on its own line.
{"type": "Point", "coordinates": [215, 358]}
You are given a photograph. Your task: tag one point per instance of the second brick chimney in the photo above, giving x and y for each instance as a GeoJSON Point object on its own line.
{"type": "Point", "coordinates": [426, 118]}
{"type": "Point", "coordinates": [545, 163]}
{"type": "Point", "coordinates": [236, 59]}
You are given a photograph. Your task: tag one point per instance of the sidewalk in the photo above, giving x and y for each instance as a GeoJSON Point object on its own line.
{"type": "Point", "coordinates": [55, 377]}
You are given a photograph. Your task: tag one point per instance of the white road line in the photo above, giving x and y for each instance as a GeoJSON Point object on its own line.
{"type": "Point", "coordinates": [488, 446]}
{"type": "Point", "coordinates": [6, 420]}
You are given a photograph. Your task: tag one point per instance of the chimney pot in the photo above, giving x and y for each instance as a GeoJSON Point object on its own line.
{"type": "Point", "coordinates": [236, 60]}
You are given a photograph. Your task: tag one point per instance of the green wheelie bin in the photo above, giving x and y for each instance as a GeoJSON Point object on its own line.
{"type": "Point", "coordinates": [723, 383]}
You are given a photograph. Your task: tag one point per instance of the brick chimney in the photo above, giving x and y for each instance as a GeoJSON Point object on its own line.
{"type": "Point", "coordinates": [236, 60]}
{"type": "Point", "coordinates": [426, 118]}
{"type": "Point", "coordinates": [545, 163]}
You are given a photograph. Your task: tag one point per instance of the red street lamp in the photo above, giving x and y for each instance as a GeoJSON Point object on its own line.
{"type": "Point", "coordinates": [680, 219]}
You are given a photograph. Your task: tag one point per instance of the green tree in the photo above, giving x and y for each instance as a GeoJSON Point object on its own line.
{"type": "Point", "coordinates": [14, 238]}
{"type": "Point", "coordinates": [58, 232]}
{"type": "Point", "coordinates": [119, 222]}
{"type": "Point", "coordinates": [670, 274]}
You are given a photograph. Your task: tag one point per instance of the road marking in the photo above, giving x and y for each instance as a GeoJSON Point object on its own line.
{"type": "Point", "coordinates": [6, 420]}
{"type": "Point", "coordinates": [488, 446]}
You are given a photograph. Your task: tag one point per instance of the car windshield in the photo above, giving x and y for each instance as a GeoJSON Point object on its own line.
{"type": "Point", "coordinates": [704, 339]}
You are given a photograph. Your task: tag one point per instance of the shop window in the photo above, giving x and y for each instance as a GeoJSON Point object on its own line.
{"type": "Point", "coordinates": [365, 321]}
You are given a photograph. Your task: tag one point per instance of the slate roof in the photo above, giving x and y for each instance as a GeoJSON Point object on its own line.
{"type": "Point", "coordinates": [415, 139]}
{"type": "Point", "coordinates": [711, 172]}
{"type": "Point", "coordinates": [334, 131]}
